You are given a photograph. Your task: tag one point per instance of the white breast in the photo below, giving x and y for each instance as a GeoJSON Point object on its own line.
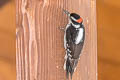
{"type": "Point", "coordinates": [80, 36]}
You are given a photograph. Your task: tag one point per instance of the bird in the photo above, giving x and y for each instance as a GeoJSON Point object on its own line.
{"type": "Point", "coordinates": [74, 37]}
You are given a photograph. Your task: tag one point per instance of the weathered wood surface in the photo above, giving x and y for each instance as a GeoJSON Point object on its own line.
{"type": "Point", "coordinates": [39, 42]}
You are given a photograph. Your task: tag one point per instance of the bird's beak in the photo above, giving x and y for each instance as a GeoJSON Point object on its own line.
{"type": "Point", "coordinates": [66, 12]}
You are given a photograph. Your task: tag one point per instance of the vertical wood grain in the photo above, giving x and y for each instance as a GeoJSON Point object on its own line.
{"type": "Point", "coordinates": [39, 42]}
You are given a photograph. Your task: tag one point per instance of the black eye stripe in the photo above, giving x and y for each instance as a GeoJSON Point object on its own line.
{"type": "Point", "coordinates": [74, 22]}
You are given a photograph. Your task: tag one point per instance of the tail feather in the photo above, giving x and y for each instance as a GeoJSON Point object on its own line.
{"type": "Point", "coordinates": [70, 67]}
{"type": "Point", "coordinates": [67, 68]}
{"type": "Point", "coordinates": [71, 73]}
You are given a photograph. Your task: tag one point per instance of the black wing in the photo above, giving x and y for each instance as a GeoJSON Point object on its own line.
{"type": "Point", "coordinates": [75, 49]}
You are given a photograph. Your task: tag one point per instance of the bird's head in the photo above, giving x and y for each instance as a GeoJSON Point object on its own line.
{"type": "Point", "coordinates": [75, 19]}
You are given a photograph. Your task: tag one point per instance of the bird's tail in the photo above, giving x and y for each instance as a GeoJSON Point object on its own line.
{"type": "Point", "coordinates": [70, 66]}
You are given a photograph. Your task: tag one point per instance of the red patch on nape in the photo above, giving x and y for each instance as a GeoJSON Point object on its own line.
{"type": "Point", "coordinates": [80, 20]}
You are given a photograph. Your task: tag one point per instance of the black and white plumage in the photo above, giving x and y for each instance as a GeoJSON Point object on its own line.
{"type": "Point", "coordinates": [73, 42]}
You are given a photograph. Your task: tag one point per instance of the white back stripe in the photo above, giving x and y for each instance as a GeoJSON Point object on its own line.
{"type": "Point", "coordinates": [80, 36]}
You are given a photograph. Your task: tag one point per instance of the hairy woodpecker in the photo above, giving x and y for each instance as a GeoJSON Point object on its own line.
{"type": "Point", "coordinates": [74, 37]}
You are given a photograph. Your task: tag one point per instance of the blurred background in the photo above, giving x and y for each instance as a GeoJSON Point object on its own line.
{"type": "Point", "coordinates": [108, 23]}
{"type": "Point", "coordinates": [7, 40]}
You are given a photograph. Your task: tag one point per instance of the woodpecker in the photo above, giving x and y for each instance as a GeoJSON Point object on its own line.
{"type": "Point", "coordinates": [74, 37]}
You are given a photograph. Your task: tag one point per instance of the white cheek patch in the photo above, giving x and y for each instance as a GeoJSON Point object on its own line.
{"type": "Point", "coordinates": [80, 36]}
{"type": "Point", "coordinates": [75, 26]}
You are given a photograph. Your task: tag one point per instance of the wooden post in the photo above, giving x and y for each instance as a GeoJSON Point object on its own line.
{"type": "Point", "coordinates": [39, 42]}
